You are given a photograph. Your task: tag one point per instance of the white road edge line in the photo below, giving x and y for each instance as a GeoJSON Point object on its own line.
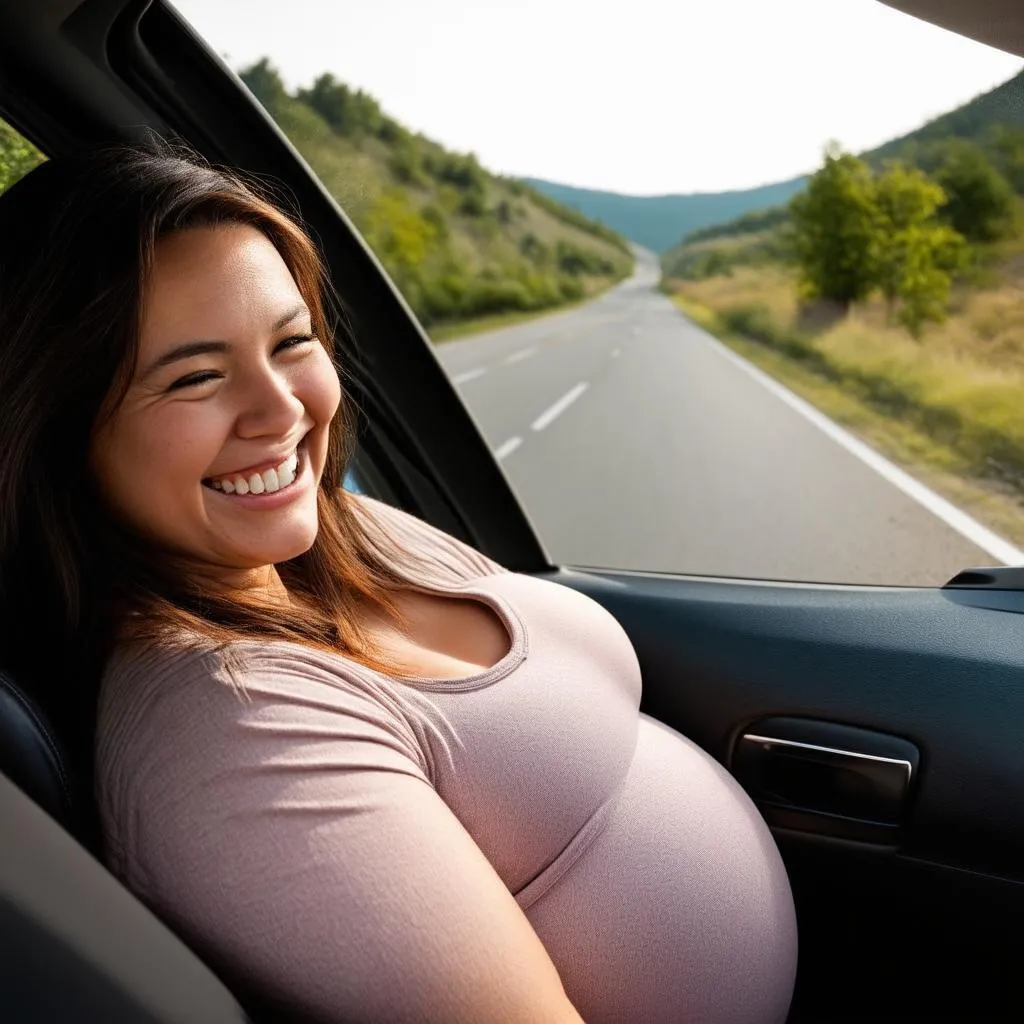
{"type": "Point", "coordinates": [461, 378]}
{"type": "Point", "coordinates": [508, 447]}
{"type": "Point", "coordinates": [559, 407]}
{"type": "Point", "coordinates": [979, 535]}
{"type": "Point", "coordinates": [522, 354]}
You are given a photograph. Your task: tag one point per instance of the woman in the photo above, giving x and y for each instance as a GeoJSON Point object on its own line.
{"type": "Point", "coordinates": [365, 771]}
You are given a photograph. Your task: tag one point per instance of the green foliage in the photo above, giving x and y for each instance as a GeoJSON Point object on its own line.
{"type": "Point", "coordinates": [425, 211]}
{"type": "Point", "coordinates": [915, 254]}
{"type": "Point", "coordinates": [1006, 144]}
{"type": "Point", "coordinates": [407, 163]}
{"type": "Point", "coordinates": [17, 156]}
{"type": "Point", "coordinates": [575, 260]}
{"type": "Point", "coordinates": [834, 223]}
{"type": "Point", "coordinates": [399, 234]}
{"type": "Point", "coordinates": [748, 223]}
{"type": "Point", "coordinates": [979, 200]}
{"type": "Point", "coordinates": [473, 204]}
{"type": "Point", "coordinates": [263, 81]}
{"type": "Point", "coordinates": [456, 169]}
{"type": "Point", "coordinates": [352, 113]}
{"type": "Point", "coordinates": [972, 121]}
{"type": "Point", "coordinates": [570, 215]}
{"type": "Point", "coordinates": [855, 233]}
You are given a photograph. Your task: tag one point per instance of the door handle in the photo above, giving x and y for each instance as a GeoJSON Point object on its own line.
{"type": "Point", "coordinates": [824, 768]}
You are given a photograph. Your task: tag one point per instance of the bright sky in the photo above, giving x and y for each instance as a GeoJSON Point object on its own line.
{"type": "Point", "coordinates": [645, 97]}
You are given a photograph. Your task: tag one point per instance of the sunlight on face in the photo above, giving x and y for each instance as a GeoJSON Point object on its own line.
{"type": "Point", "coordinates": [257, 390]}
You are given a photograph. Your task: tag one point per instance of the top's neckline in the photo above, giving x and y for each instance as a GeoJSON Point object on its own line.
{"type": "Point", "coordinates": [510, 619]}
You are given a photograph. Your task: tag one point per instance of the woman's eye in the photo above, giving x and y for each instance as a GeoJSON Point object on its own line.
{"type": "Point", "coordinates": [196, 378]}
{"type": "Point", "coordinates": [202, 378]}
{"type": "Point", "coordinates": [294, 342]}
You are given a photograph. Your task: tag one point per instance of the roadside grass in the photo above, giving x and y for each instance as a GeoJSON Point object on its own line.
{"type": "Point", "coordinates": [948, 408]}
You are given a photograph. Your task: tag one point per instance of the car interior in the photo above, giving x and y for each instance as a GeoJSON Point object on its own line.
{"type": "Point", "coordinates": [879, 729]}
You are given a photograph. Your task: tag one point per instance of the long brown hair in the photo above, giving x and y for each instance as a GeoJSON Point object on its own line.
{"type": "Point", "coordinates": [77, 240]}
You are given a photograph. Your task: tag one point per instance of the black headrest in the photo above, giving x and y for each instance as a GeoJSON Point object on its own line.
{"type": "Point", "coordinates": [32, 757]}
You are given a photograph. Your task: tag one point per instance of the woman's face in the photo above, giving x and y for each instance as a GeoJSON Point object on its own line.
{"type": "Point", "coordinates": [230, 390]}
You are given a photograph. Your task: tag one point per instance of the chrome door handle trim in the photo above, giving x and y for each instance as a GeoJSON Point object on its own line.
{"type": "Point", "coordinates": [754, 738]}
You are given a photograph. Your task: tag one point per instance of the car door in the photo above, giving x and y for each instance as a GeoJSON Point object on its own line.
{"type": "Point", "coordinates": [877, 726]}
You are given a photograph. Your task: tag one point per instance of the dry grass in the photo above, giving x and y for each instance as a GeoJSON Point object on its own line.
{"type": "Point", "coordinates": [962, 384]}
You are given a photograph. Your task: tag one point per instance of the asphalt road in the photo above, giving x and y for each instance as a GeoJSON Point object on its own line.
{"type": "Point", "coordinates": [635, 440]}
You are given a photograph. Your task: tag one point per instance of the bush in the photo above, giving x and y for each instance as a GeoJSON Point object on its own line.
{"type": "Point", "coordinates": [753, 320]}
{"type": "Point", "coordinates": [407, 166]}
{"type": "Point", "coordinates": [473, 204]}
{"type": "Point", "coordinates": [979, 200]}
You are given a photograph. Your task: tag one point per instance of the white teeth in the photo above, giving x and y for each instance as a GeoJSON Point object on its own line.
{"type": "Point", "coordinates": [269, 481]}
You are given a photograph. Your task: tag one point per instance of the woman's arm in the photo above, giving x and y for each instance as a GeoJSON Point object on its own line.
{"type": "Point", "coordinates": [297, 841]}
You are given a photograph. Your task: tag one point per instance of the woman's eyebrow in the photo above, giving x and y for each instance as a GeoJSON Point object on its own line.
{"type": "Point", "coordinates": [202, 348]}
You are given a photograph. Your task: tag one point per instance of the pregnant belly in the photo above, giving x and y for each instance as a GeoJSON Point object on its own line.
{"type": "Point", "coordinates": [680, 910]}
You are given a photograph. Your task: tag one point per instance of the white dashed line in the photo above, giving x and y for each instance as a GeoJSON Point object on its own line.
{"type": "Point", "coordinates": [461, 378]}
{"type": "Point", "coordinates": [523, 354]}
{"type": "Point", "coordinates": [559, 407]}
{"type": "Point", "coordinates": [508, 447]}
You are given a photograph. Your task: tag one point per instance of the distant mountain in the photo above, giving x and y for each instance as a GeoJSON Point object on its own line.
{"type": "Point", "coordinates": [658, 222]}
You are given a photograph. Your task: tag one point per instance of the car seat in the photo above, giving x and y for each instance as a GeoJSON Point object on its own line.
{"type": "Point", "coordinates": [77, 945]}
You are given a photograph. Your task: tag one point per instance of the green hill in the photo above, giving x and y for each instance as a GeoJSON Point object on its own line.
{"type": "Point", "coordinates": [658, 222]}
{"type": "Point", "coordinates": [990, 126]}
{"type": "Point", "coordinates": [983, 120]}
{"type": "Point", "coordinates": [458, 241]}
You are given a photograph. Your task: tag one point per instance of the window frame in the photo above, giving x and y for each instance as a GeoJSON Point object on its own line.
{"type": "Point", "coordinates": [418, 445]}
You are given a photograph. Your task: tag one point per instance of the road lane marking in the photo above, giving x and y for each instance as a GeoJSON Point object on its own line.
{"type": "Point", "coordinates": [523, 354]}
{"type": "Point", "coordinates": [615, 353]}
{"type": "Point", "coordinates": [559, 407]}
{"type": "Point", "coordinates": [981, 536]}
{"type": "Point", "coordinates": [461, 378]}
{"type": "Point", "coordinates": [508, 447]}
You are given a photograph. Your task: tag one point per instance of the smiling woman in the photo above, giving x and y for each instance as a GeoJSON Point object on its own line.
{"type": "Point", "coordinates": [208, 419]}
{"type": "Point", "coordinates": [331, 741]}
{"type": "Point", "coordinates": [193, 345]}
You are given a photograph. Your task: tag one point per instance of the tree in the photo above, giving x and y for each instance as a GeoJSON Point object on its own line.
{"type": "Point", "coordinates": [979, 200]}
{"type": "Point", "coordinates": [334, 102]}
{"type": "Point", "coordinates": [915, 253]}
{"type": "Point", "coordinates": [1007, 144]}
{"type": "Point", "coordinates": [835, 229]}
{"type": "Point", "coordinates": [17, 156]}
{"type": "Point", "coordinates": [263, 81]}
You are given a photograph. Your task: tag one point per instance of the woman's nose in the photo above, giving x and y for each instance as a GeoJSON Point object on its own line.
{"type": "Point", "coordinates": [268, 405]}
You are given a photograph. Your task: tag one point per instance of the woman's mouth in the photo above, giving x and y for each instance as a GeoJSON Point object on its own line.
{"type": "Point", "coordinates": [267, 488]}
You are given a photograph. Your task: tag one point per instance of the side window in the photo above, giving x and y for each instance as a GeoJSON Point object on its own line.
{"type": "Point", "coordinates": [756, 314]}
{"type": "Point", "coordinates": [17, 156]}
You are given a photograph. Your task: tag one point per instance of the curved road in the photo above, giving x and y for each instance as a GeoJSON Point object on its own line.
{"type": "Point", "coordinates": [636, 440]}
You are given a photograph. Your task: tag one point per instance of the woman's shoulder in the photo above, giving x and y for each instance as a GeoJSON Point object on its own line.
{"type": "Point", "coordinates": [432, 553]}
{"type": "Point", "coordinates": [158, 702]}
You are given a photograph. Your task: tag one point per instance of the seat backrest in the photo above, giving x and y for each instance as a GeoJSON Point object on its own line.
{"type": "Point", "coordinates": [31, 756]}
{"type": "Point", "coordinates": [77, 944]}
